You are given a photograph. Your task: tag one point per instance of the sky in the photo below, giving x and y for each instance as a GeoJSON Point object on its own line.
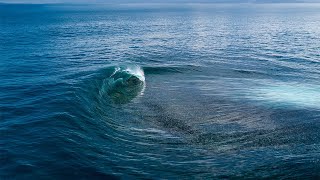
{"type": "Point", "coordinates": [149, 1]}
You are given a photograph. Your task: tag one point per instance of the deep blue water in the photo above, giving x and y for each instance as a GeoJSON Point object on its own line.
{"type": "Point", "coordinates": [160, 91]}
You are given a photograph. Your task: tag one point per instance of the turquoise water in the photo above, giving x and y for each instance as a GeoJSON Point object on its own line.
{"type": "Point", "coordinates": [159, 91]}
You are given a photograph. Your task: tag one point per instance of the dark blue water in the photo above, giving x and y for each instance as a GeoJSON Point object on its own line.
{"type": "Point", "coordinates": [160, 91]}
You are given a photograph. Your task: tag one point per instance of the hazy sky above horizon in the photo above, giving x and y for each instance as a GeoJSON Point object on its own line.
{"type": "Point", "coordinates": [147, 1]}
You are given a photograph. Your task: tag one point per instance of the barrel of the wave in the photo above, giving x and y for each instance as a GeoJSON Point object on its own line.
{"type": "Point", "coordinates": [125, 84]}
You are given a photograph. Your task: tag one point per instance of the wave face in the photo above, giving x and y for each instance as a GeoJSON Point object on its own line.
{"type": "Point", "coordinates": [124, 84]}
{"type": "Point", "coordinates": [142, 91]}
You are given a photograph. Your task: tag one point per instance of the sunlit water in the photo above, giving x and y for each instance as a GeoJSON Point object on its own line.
{"type": "Point", "coordinates": [160, 91]}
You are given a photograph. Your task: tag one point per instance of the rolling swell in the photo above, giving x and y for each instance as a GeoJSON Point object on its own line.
{"type": "Point", "coordinates": [118, 127]}
{"type": "Point", "coordinates": [114, 121]}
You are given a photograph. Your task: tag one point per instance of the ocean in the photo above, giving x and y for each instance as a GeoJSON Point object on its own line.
{"type": "Point", "coordinates": [159, 91]}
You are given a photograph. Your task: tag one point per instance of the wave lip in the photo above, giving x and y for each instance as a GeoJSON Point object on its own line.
{"type": "Point", "coordinates": [125, 83]}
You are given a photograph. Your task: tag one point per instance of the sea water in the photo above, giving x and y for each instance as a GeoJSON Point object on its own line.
{"type": "Point", "coordinates": [167, 91]}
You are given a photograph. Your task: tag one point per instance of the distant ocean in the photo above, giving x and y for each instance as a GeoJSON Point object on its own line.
{"type": "Point", "coordinates": [160, 91]}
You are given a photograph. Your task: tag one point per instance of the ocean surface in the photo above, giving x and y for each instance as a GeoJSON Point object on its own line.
{"type": "Point", "coordinates": [169, 91]}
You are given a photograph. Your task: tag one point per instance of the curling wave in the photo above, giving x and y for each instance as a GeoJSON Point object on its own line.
{"type": "Point", "coordinates": [124, 84]}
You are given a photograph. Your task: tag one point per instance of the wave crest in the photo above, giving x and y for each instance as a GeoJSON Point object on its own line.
{"type": "Point", "coordinates": [124, 84]}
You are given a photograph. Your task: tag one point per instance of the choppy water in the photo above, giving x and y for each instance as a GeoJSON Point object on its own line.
{"type": "Point", "coordinates": [160, 91]}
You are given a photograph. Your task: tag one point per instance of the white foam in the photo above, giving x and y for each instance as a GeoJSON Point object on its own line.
{"type": "Point", "coordinates": [302, 95]}
{"type": "Point", "coordinates": [136, 71]}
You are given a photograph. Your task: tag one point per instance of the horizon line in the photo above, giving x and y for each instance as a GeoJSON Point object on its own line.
{"type": "Point", "coordinates": [124, 3]}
